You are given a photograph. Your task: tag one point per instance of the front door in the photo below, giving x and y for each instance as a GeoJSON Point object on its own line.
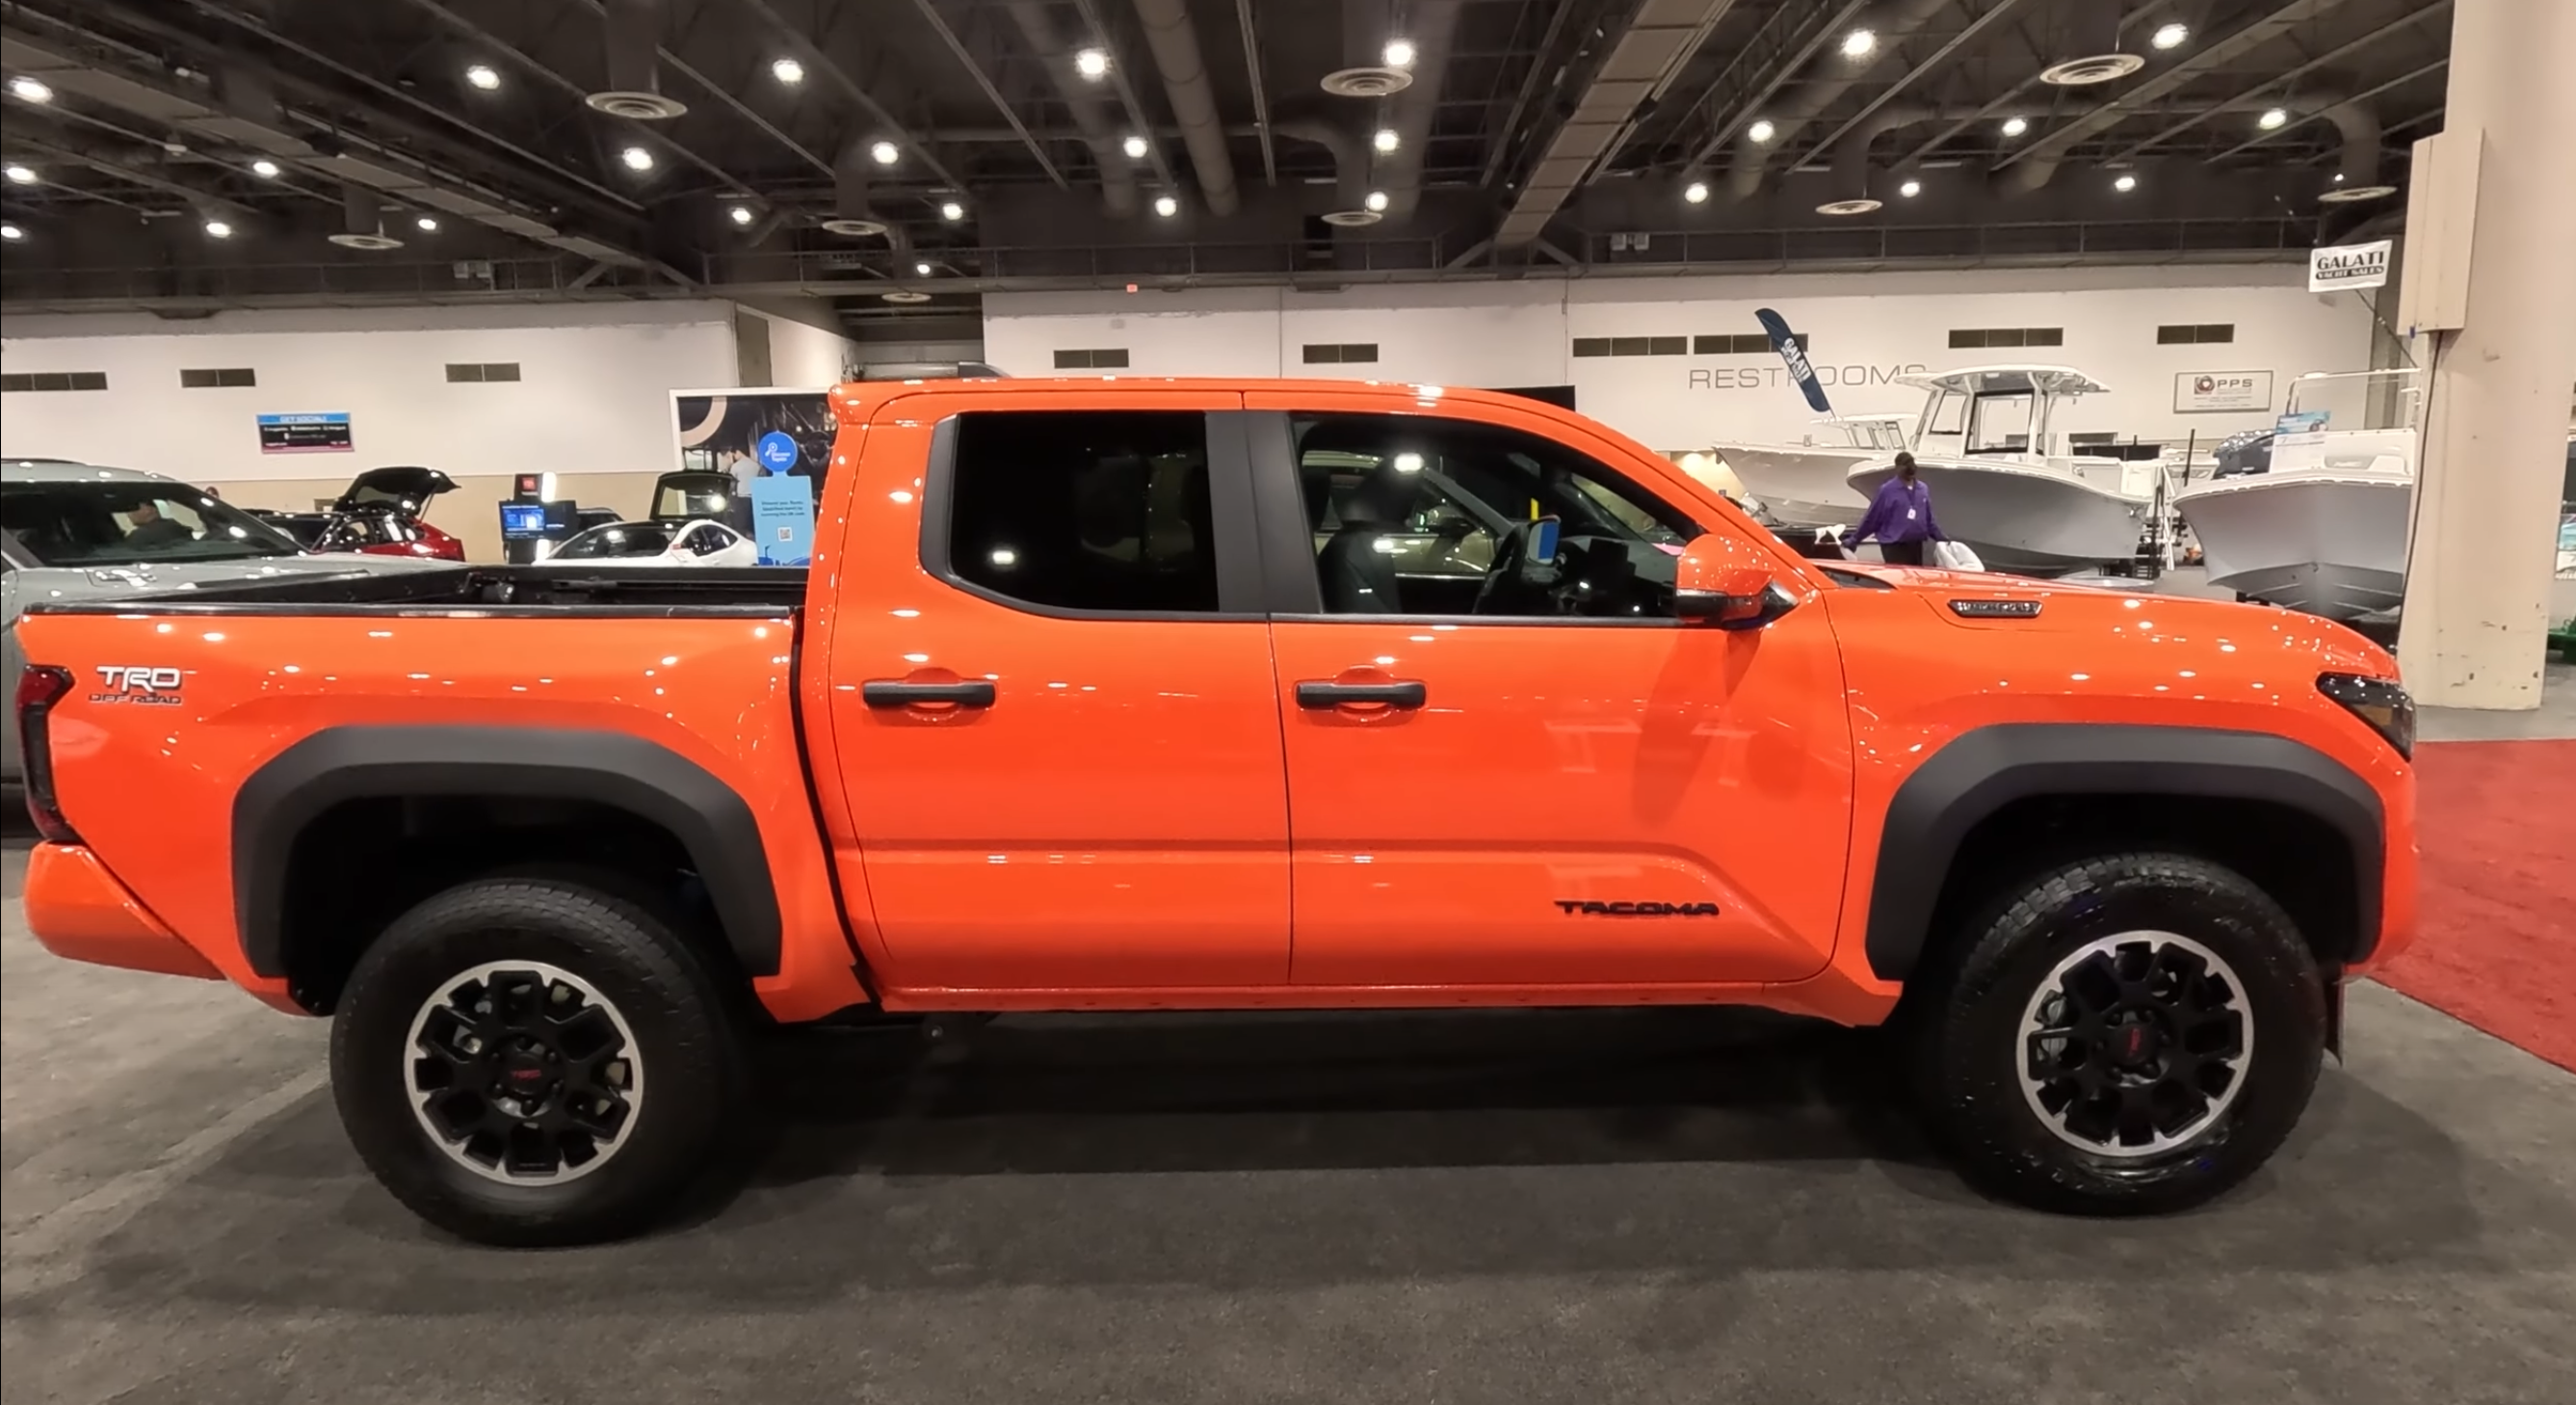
{"type": "Point", "coordinates": [1058, 738]}
{"type": "Point", "coordinates": [1504, 774]}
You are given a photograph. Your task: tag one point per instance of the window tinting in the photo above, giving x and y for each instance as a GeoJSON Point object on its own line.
{"type": "Point", "coordinates": [482, 370]}
{"type": "Point", "coordinates": [54, 380]}
{"type": "Point", "coordinates": [1340, 353]}
{"type": "Point", "coordinates": [2196, 333]}
{"type": "Point", "coordinates": [1085, 510]}
{"type": "Point", "coordinates": [1102, 358]}
{"type": "Point", "coordinates": [1975, 337]}
{"type": "Point", "coordinates": [213, 378]}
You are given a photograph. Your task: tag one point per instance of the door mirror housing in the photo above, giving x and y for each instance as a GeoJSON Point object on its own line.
{"type": "Point", "coordinates": [1725, 581]}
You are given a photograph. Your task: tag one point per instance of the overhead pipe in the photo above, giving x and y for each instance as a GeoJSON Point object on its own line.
{"type": "Point", "coordinates": [634, 35]}
{"type": "Point", "coordinates": [1175, 42]}
{"type": "Point", "coordinates": [2358, 122]}
{"type": "Point", "coordinates": [1850, 161]}
{"type": "Point", "coordinates": [851, 170]}
{"type": "Point", "coordinates": [1091, 115]}
{"type": "Point", "coordinates": [1349, 149]}
{"type": "Point", "coordinates": [1813, 99]}
{"type": "Point", "coordinates": [1431, 26]}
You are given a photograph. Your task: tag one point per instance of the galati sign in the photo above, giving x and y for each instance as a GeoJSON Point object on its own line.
{"type": "Point", "coordinates": [2342, 268]}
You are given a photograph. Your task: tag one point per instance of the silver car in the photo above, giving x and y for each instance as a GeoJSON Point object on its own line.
{"type": "Point", "coordinates": [75, 532]}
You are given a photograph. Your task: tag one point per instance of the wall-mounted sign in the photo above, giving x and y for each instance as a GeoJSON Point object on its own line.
{"type": "Point", "coordinates": [2341, 268]}
{"type": "Point", "coordinates": [304, 434]}
{"type": "Point", "coordinates": [2214, 392]}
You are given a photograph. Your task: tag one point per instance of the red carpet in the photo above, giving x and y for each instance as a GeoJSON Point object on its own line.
{"type": "Point", "coordinates": [2498, 942]}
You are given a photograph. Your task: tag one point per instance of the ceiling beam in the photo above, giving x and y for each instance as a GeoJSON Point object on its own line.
{"type": "Point", "coordinates": [1501, 143]}
{"type": "Point", "coordinates": [1773, 79]}
{"type": "Point", "coordinates": [817, 61]}
{"type": "Point", "coordinates": [2281, 80]}
{"type": "Point", "coordinates": [1260, 94]}
{"type": "Point", "coordinates": [1137, 119]}
{"type": "Point", "coordinates": [930, 12]}
{"type": "Point", "coordinates": [1910, 77]}
{"type": "Point", "coordinates": [2364, 95]}
{"type": "Point", "coordinates": [725, 95]}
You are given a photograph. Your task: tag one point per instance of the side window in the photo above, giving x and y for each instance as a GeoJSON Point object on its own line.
{"type": "Point", "coordinates": [1416, 515]}
{"type": "Point", "coordinates": [1085, 510]}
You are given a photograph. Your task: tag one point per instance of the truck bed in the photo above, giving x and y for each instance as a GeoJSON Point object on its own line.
{"type": "Point", "coordinates": [540, 591]}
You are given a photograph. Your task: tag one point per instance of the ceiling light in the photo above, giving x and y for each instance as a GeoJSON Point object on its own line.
{"type": "Point", "coordinates": [1399, 53]}
{"type": "Point", "coordinates": [2338, 177]}
{"type": "Point", "coordinates": [1136, 148]}
{"type": "Point", "coordinates": [2273, 119]}
{"type": "Point", "coordinates": [1376, 201]}
{"type": "Point", "coordinates": [218, 229]}
{"type": "Point", "coordinates": [483, 76]}
{"type": "Point", "coordinates": [636, 158]}
{"type": "Point", "coordinates": [29, 90]}
{"type": "Point", "coordinates": [2125, 184]}
{"type": "Point", "coordinates": [1091, 63]}
{"type": "Point", "coordinates": [1386, 139]}
{"type": "Point", "coordinates": [922, 268]}
{"type": "Point", "coordinates": [1910, 189]}
{"type": "Point", "coordinates": [1762, 130]}
{"type": "Point", "coordinates": [787, 71]}
{"type": "Point", "coordinates": [739, 214]}
{"type": "Point", "coordinates": [2015, 126]}
{"type": "Point", "coordinates": [1696, 192]}
{"type": "Point", "coordinates": [1166, 206]}
{"type": "Point", "coordinates": [886, 153]}
{"type": "Point", "coordinates": [21, 175]}
{"type": "Point", "coordinates": [1860, 43]}
{"type": "Point", "coordinates": [428, 224]}
{"type": "Point", "coordinates": [2171, 36]}
{"type": "Point", "coordinates": [951, 211]}
{"type": "Point", "coordinates": [264, 168]}
{"type": "Point", "coordinates": [11, 231]}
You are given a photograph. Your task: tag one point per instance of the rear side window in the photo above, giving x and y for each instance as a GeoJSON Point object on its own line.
{"type": "Point", "coordinates": [1085, 510]}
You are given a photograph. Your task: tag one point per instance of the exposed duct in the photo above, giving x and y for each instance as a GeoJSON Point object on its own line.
{"type": "Point", "coordinates": [362, 221]}
{"type": "Point", "coordinates": [1431, 26]}
{"type": "Point", "coordinates": [1641, 63]}
{"type": "Point", "coordinates": [1091, 114]}
{"type": "Point", "coordinates": [850, 213]}
{"type": "Point", "coordinates": [1851, 169]}
{"type": "Point", "coordinates": [1349, 148]}
{"type": "Point", "coordinates": [634, 31]}
{"type": "Point", "coordinates": [1175, 42]}
{"type": "Point", "coordinates": [1810, 100]}
{"type": "Point", "coordinates": [2358, 122]}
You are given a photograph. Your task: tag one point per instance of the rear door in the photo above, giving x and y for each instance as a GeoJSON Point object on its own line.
{"type": "Point", "coordinates": [1495, 783]}
{"type": "Point", "coordinates": [1051, 696]}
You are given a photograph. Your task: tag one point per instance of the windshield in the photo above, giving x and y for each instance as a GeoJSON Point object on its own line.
{"type": "Point", "coordinates": [695, 495]}
{"type": "Point", "coordinates": [125, 524]}
{"type": "Point", "coordinates": [628, 539]}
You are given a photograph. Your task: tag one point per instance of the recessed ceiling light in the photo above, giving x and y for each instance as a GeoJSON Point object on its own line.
{"type": "Point", "coordinates": [2273, 118]}
{"type": "Point", "coordinates": [21, 175]}
{"type": "Point", "coordinates": [264, 168]}
{"type": "Point", "coordinates": [428, 224]}
{"type": "Point", "coordinates": [951, 211]}
{"type": "Point", "coordinates": [1376, 201]}
{"type": "Point", "coordinates": [1696, 192]}
{"type": "Point", "coordinates": [11, 231]}
{"type": "Point", "coordinates": [1399, 53]}
{"type": "Point", "coordinates": [1761, 130]}
{"type": "Point", "coordinates": [739, 214]}
{"type": "Point", "coordinates": [2125, 184]}
{"type": "Point", "coordinates": [787, 71]}
{"type": "Point", "coordinates": [218, 229]}
{"type": "Point", "coordinates": [1091, 63]}
{"type": "Point", "coordinates": [1386, 139]}
{"type": "Point", "coordinates": [483, 76]}
{"type": "Point", "coordinates": [2015, 126]}
{"type": "Point", "coordinates": [1136, 148]}
{"type": "Point", "coordinates": [1910, 189]}
{"type": "Point", "coordinates": [922, 268]}
{"type": "Point", "coordinates": [2171, 36]}
{"type": "Point", "coordinates": [886, 153]}
{"type": "Point", "coordinates": [29, 90]}
{"type": "Point", "coordinates": [1166, 206]}
{"type": "Point", "coordinates": [636, 158]}
{"type": "Point", "coordinates": [1860, 43]}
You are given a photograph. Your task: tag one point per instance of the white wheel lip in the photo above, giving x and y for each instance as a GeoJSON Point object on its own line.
{"type": "Point", "coordinates": [455, 1151]}
{"type": "Point", "coordinates": [2163, 1144]}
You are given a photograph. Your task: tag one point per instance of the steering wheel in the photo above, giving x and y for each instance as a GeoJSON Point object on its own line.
{"type": "Point", "coordinates": [1511, 550]}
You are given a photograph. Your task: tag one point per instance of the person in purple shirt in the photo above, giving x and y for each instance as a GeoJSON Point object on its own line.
{"type": "Point", "coordinates": [1901, 517]}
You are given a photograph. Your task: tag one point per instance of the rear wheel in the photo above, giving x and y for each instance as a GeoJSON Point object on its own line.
{"type": "Point", "coordinates": [534, 1061]}
{"type": "Point", "coordinates": [2129, 1034]}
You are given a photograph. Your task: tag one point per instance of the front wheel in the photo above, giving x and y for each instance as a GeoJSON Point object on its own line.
{"type": "Point", "coordinates": [529, 1061]}
{"type": "Point", "coordinates": [2129, 1034]}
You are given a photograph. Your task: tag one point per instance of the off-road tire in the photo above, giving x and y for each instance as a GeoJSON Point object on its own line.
{"type": "Point", "coordinates": [689, 1056]}
{"type": "Point", "coordinates": [1968, 1030]}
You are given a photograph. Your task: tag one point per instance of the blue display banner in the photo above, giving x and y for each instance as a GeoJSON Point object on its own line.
{"type": "Point", "coordinates": [776, 452]}
{"type": "Point", "coordinates": [782, 519]}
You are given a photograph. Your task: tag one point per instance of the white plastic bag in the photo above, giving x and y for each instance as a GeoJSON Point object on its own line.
{"type": "Point", "coordinates": [1954, 556]}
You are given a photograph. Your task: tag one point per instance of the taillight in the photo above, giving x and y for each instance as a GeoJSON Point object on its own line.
{"type": "Point", "coordinates": [39, 688]}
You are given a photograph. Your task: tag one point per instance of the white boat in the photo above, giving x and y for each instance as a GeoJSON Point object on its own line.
{"type": "Point", "coordinates": [2323, 530]}
{"type": "Point", "coordinates": [2000, 485]}
{"type": "Point", "coordinates": [1802, 485]}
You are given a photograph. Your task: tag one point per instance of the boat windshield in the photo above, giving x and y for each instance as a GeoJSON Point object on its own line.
{"type": "Point", "coordinates": [2005, 422]}
{"type": "Point", "coordinates": [2358, 400]}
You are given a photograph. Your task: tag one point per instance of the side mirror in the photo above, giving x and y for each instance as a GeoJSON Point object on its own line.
{"type": "Point", "coordinates": [1725, 581]}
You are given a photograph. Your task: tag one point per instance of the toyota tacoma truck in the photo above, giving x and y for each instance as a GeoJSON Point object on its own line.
{"type": "Point", "coordinates": [1151, 695]}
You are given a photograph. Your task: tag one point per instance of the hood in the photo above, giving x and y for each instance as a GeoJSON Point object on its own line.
{"type": "Point", "coordinates": [406, 488]}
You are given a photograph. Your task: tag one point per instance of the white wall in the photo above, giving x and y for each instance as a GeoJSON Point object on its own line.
{"type": "Point", "coordinates": [1866, 326]}
{"type": "Point", "coordinates": [805, 355]}
{"type": "Point", "coordinates": [593, 394]}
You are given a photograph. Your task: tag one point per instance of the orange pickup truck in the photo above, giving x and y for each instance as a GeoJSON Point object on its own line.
{"type": "Point", "coordinates": [1153, 695]}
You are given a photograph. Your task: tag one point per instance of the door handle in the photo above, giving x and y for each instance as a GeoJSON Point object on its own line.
{"type": "Point", "coordinates": [1321, 693]}
{"type": "Point", "coordinates": [891, 692]}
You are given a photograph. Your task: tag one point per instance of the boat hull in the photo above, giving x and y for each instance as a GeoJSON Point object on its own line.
{"type": "Point", "coordinates": [1800, 485]}
{"type": "Point", "coordinates": [2323, 542]}
{"type": "Point", "coordinates": [2022, 518]}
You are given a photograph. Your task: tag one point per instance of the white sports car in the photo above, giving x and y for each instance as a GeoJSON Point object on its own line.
{"type": "Point", "coordinates": [702, 543]}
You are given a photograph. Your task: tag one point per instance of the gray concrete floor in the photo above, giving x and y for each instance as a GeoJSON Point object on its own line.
{"type": "Point", "coordinates": [1589, 1206]}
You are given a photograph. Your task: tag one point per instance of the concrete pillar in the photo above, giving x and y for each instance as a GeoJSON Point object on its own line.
{"type": "Point", "coordinates": [2486, 514]}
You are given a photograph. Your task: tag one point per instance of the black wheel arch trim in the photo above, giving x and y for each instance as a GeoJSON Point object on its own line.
{"type": "Point", "coordinates": [712, 822]}
{"type": "Point", "coordinates": [1981, 771]}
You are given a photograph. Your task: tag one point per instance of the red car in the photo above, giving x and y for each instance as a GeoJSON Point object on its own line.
{"type": "Point", "coordinates": [379, 515]}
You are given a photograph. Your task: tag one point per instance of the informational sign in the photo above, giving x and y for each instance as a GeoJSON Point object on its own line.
{"type": "Point", "coordinates": [2218, 392]}
{"type": "Point", "coordinates": [782, 519]}
{"type": "Point", "coordinates": [2299, 440]}
{"type": "Point", "coordinates": [304, 434]}
{"type": "Point", "coordinates": [776, 451]}
{"type": "Point", "coordinates": [2343, 268]}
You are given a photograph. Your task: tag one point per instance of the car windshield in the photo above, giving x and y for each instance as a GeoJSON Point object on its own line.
{"type": "Point", "coordinates": [110, 523]}
{"type": "Point", "coordinates": [625, 539]}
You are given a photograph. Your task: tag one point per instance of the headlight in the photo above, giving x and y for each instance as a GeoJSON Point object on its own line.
{"type": "Point", "coordinates": [2382, 704]}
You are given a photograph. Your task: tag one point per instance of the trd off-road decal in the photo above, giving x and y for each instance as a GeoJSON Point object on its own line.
{"type": "Point", "coordinates": [134, 683]}
{"type": "Point", "coordinates": [1572, 908]}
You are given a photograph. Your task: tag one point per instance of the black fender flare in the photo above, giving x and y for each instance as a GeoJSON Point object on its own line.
{"type": "Point", "coordinates": [1981, 771]}
{"type": "Point", "coordinates": [625, 772]}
